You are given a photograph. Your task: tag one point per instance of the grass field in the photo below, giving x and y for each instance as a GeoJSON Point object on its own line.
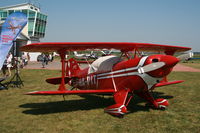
{"type": "Point", "coordinates": [78, 114]}
{"type": "Point", "coordinates": [193, 63]}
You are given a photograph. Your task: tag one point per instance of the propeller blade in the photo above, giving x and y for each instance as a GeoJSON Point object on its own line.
{"type": "Point", "coordinates": [151, 67]}
{"type": "Point", "coordinates": [184, 57]}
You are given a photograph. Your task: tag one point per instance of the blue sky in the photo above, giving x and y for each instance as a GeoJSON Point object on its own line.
{"type": "Point", "coordinates": [170, 22]}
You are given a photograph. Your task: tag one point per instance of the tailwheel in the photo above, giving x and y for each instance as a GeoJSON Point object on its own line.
{"type": "Point", "coordinates": [116, 110]}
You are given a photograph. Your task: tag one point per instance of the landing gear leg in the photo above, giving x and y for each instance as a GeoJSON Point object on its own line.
{"type": "Point", "coordinates": [118, 109]}
{"type": "Point", "coordinates": [160, 103]}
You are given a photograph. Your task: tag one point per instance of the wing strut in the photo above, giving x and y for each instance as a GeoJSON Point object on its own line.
{"type": "Point", "coordinates": [136, 53]}
{"type": "Point", "coordinates": [62, 54]}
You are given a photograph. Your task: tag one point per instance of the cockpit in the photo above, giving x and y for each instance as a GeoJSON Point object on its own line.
{"type": "Point", "coordinates": [104, 64]}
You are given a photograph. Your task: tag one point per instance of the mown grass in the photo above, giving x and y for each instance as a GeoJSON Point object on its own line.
{"type": "Point", "coordinates": [193, 63]}
{"type": "Point", "coordinates": [21, 113]}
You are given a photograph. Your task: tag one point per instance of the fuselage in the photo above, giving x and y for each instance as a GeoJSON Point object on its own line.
{"type": "Point", "coordinates": [125, 74]}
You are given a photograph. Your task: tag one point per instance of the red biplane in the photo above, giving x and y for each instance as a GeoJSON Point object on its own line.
{"type": "Point", "coordinates": [111, 74]}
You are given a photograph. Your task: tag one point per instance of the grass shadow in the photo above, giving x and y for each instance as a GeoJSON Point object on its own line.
{"type": "Point", "coordinates": [89, 102]}
{"type": "Point", "coordinates": [134, 105]}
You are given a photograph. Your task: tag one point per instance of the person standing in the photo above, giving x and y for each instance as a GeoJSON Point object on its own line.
{"type": "Point", "coordinates": [46, 59]}
{"type": "Point", "coordinates": [23, 60]}
{"type": "Point", "coordinates": [43, 60]}
{"type": "Point", "coordinates": [9, 63]}
{"type": "Point", "coordinates": [28, 57]}
{"type": "Point", "coordinates": [4, 68]}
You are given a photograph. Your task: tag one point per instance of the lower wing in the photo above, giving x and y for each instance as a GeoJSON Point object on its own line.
{"type": "Point", "coordinates": [168, 83]}
{"type": "Point", "coordinates": [75, 92]}
{"type": "Point", "coordinates": [71, 92]}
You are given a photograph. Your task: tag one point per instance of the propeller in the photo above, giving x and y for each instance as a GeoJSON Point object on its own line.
{"type": "Point", "coordinates": [186, 56]}
{"type": "Point", "coordinates": [151, 67]}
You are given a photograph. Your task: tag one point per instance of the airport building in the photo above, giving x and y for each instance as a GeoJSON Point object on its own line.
{"type": "Point", "coordinates": [35, 28]}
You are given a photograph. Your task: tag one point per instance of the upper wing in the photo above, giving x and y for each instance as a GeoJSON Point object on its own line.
{"type": "Point", "coordinates": [123, 46]}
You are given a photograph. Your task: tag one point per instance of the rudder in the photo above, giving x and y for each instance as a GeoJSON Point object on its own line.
{"type": "Point", "coordinates": [73, 67]}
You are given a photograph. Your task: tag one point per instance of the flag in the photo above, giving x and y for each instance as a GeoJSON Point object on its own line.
{"type": "Point", "coordinates": [11, 28]}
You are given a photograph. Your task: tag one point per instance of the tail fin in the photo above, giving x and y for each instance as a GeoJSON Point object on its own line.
{"type": "Point", "coordinates": [73, 67]}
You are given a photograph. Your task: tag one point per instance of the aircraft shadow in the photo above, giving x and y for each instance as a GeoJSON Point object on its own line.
{"type": "Point", "coordinates": [89, 102]}
{"type": "Point", "coordinates": [134, 104]}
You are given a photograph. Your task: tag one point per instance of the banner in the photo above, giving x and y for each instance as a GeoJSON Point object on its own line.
{"type": "Point", "coordinates": [11, 28]}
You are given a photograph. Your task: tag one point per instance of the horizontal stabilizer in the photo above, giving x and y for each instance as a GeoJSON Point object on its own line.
{"type": "Point", "coordinates": [72, 92]}
{"type": "Point", "coordinates": [168, 83]}
{"type": "Point", "coordinates": [57, 80]}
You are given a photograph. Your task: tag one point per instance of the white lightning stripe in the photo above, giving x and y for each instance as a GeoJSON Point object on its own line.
{"type": "Point", "coordinates": [141, 70]}
{"type": "Point", "coordinates": [164, 100]}
{"type": "Point", "coordinates": [119, 108]}
{"type": "Point", "coordinates": [119, 75]}
{"type": "Point", "coordinates": [115, 110]}
{"type": "Point", "coordinates": [150, 81]}
{"type": "Point", "coordinates": [118, 71]}
{"type": "Point", "coordinates": [162, 106]}
{"type": "Point", "coordinates": [141, 63]}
